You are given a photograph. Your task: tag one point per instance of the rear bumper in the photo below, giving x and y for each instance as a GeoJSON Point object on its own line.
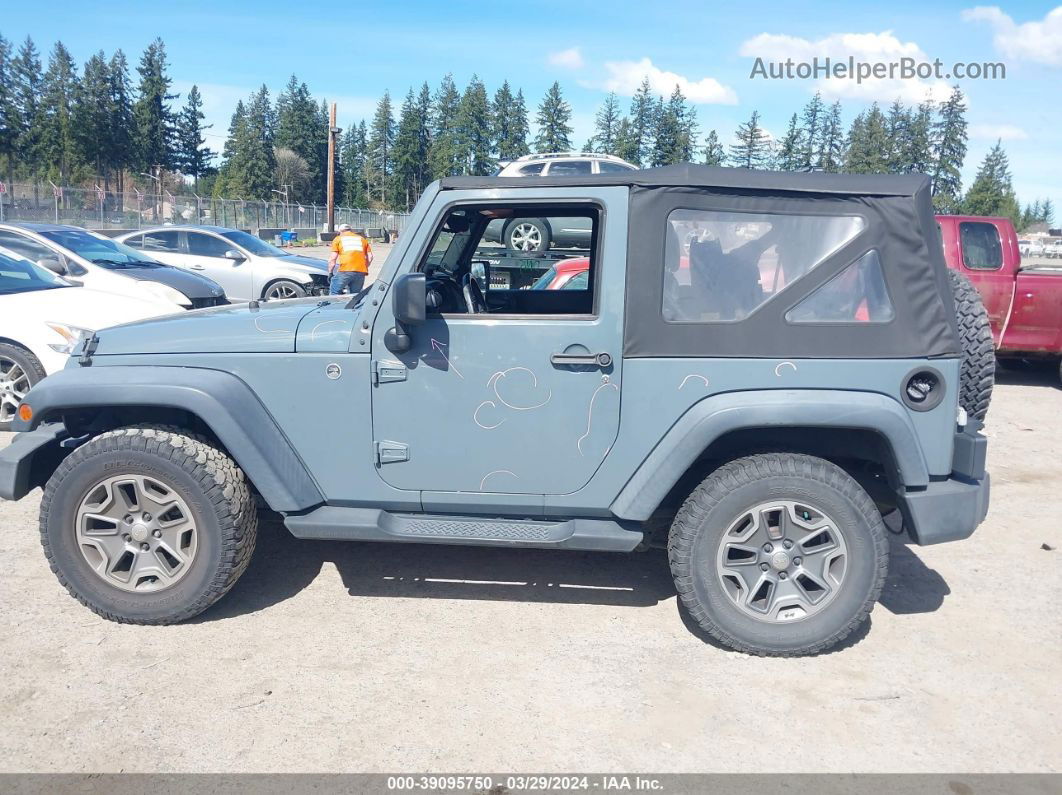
{"type": "Point", "coordinates": [950, 510]}
{"type": "Point", "coordinates": [16, 460]}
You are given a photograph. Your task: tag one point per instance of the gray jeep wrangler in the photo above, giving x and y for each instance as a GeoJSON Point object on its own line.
{"type": "Point", "coordinates": [757, 366]}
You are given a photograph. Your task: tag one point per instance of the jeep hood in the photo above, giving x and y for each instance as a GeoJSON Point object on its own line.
{"type": "Point", "coordinates": [270, 327]}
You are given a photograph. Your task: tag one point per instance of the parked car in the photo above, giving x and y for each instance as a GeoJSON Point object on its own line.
{"type": "Point", "coordinates": [766, 404]}
{"type": "Point", "coordinates": [43, 318]}
{"type": "Point", "coordinates": [1053, 249]}
{"type": "Point", "coordinates": [101, 263]}
{"type": "Point", "coordinates": [1031, 248]}
{"type": "Point", "coordinates": [568, 274]}
{"type": "Point", "coordinates": [539, 234]}
{"type": "Point", "coordinates": [247, 267]}
{"type": "Point", "coordinates": [1024, 303]}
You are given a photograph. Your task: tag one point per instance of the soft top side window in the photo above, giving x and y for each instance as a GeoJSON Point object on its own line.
{"type": "Point", "coordinates": [723, 266]}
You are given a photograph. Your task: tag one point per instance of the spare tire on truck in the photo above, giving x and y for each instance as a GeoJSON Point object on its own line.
{"type": "Point", "coordinates": [978, 371]}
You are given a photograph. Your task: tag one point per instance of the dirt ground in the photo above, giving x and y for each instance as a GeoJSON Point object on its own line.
{"type": "Point", "coordinates": [360, 657]}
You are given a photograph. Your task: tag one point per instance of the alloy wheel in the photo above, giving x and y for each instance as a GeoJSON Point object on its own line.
{"type": "Point", "coordinates": [782, 561]}
{"type": "Point", "coordinates": [136, 533]}
{"type": "Point", "coordinates": [14, 384]}
{"type": "Point", "coordinates": [525, 237]}
{"type": "Point", "coordinates": [282, 290]}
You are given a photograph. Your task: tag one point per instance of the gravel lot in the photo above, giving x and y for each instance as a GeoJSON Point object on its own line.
{"type": "Point", "coordinates": [359, 657]}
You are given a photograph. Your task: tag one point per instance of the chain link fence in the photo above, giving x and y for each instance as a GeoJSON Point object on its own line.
{"type": "Point", "coordinates": [134, 209]}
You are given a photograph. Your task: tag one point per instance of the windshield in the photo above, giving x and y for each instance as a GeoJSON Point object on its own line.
{"type": "Point", "coordinates": [545, 280]}
{"type": "Point", "coordinates": [19, 275]}
{"type": "Point", "coordinates": [257, 247]}
{"type": "Point", "coordinates": [102, 251]}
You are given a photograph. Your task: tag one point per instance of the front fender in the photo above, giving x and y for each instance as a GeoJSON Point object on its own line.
{"type": "Point", "coordinates": [715, 416]}
{"type": "Point", "coordinates": [222, 401]}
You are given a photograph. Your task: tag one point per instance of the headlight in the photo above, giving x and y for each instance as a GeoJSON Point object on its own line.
{"type": "Point", "coordinates": [166, 293]}
{"type": "Point", "coordinates": [72, 336]}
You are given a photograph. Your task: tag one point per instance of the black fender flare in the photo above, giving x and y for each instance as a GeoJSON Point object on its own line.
{"type": "Point", "coordinates": [711, 418]}
{"type": "Point", "coordinates": [227, 405]}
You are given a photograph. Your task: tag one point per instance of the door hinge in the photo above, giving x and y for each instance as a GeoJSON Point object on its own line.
{"type": "Point", "coordinates": [391, 452]}
{"type": "Point", "coordinates": [385, 372]}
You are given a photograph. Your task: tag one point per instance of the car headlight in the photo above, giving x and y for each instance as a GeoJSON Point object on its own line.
{"type": "Point", "coordinates": [166, 293]}
{"type": "Point", "coordinates": [72, 337]}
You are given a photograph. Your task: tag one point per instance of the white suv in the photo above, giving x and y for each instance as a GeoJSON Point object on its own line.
{"type": "Point", "coordinates": [564, 164]}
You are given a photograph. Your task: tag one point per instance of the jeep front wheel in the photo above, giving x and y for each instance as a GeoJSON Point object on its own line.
{"type": "Point", "coordinates": [778, 554]}
{"type": "Point", "coordinates": [148, 525]}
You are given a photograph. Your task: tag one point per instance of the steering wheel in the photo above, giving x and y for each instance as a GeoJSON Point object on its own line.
{"type": "Point", "coordinates": [475, 303]}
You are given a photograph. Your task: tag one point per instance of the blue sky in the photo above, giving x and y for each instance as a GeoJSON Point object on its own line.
{"type": "Point", "coordinates": [351, 52]}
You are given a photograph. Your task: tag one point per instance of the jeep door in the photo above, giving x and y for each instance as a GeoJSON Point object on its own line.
{"type": "Point", "coordinates": [493, 410]}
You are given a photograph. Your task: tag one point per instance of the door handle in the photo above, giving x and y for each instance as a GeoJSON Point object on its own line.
{"type": "Point", "coordinates": [601, 360]}
{"type": "Point", "coordinates": [196, 268]}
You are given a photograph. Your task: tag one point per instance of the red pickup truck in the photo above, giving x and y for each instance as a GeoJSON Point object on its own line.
{"type": "Point", "coordinates": [1024, 301]}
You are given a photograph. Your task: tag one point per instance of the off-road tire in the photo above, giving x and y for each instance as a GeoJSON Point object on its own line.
{"type": "Point", "coordinates": [29, 365]}
{"type": "Point", "coordinates": [207, 479]}
{"type": "Point", "coordinates": [703, 519]}
{"type": "Point", "coordinates": [978, 371]}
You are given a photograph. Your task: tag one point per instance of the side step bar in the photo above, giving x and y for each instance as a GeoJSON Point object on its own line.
{"type": "Point", "coordinates": [370, 524]}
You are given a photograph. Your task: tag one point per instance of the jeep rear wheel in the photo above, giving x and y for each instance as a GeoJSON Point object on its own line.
{"type": "Point", "coordinates": [148, 525]}
{"type": "Point", "coordinates": [977, 374]}
{"type": "Point", "coordinates": [778, 554]}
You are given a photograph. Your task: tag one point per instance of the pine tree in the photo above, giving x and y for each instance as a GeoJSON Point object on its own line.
{"type": "Point", "coordinates": [257, 156]}
{"type": "Point", "coordinates": [299, 128]}
{"type": "Point", "coordinates": [91, 116]}
{"type": "Point", "coordinates": [642, 122]}
{"type": "Point", "coordinates": [509, 123]}
{"type": "Point", "coordinates": [1047, 212]}
{"type": "Point", "coordinates": [627, 146]}
{"type": "Point", "coordinates": [10, 119]}
{"type": "Point", "coordinates": [714, 154]}
{"type": "Point", "coordinates": [121, 153]}
{"type": "Point", "coordinates": [152, 113]}
{"type": "Point", "coordinates": [830, 155]}
{"type": "Point", "coordinates": [554, 132]}
{"type": "Point", "coordinates": [855, 150]}
{"type": "Point", "coordinates": [192, 153]}
{"type": "Point", "coordinates": [813, 119]}
{"type": "Point", "coordinates": [381, 142]}
{"type": "Point", "coordinates": [606, 125]}
{"type": "Point", "coordinates": [790, 152]}
{"type": "Point", "coordinates": [676, 130]}
{"type": "Point", "coordinates": [411, 149]}
{"type": "Point", "coordinates": [949, 152]}
{"type": "Point", "coordinates": [444, 155]}
{"type": "Point", "coordinates": [474, 130]}
{"type": "Point", "coordinates": [26, 78]}
{"type": "Point", "coordinates": [898, 127]}
{"type": "Point", "coordinates": [352, 156]}
{"type": "Point", "coordinates": [992, 192]}
{"type": "Point", "coordinates": [753, 147]}
{"type": "Point", "coordinates": [58, 148]}
{"type": "Point", "coordinates": [918, 155]}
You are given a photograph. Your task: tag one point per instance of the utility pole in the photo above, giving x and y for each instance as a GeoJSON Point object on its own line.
{"type": "Point", "coordinates": [333, 131]}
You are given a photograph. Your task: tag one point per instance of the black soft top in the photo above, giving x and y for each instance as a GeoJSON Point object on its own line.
{"type": "Point", "coordinates": [696, 176]}
{"type": "Point", "coordinates": [899, 226]}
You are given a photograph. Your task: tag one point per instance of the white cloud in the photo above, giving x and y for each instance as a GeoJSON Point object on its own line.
{"type": "Point", "coordinates": [870, 48]}
{"type": "Point", "coordinates": [1030, 41]}
{"type": "Point", "coordinates": [624, 77]}
{"type": "Point", "coordinates": [992, 132]}
{"type": "Point", "coordinates": [566, 59]}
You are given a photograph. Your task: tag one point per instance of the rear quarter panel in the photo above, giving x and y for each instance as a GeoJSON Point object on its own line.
{"type": "Point", "coordinates": [1036, 321]}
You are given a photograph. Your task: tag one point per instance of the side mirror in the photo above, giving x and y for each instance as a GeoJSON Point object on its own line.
{"type": "Point", "coordinates": [481, 273]}
{"type": "Point", "coordinates": [409, 303]}
{"type": "Point", "coordinates": [53, 264]}
{"type": "Point", "coordinates": [409, 299]}
{"type": "Point", "coordinates": [234, 255]}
